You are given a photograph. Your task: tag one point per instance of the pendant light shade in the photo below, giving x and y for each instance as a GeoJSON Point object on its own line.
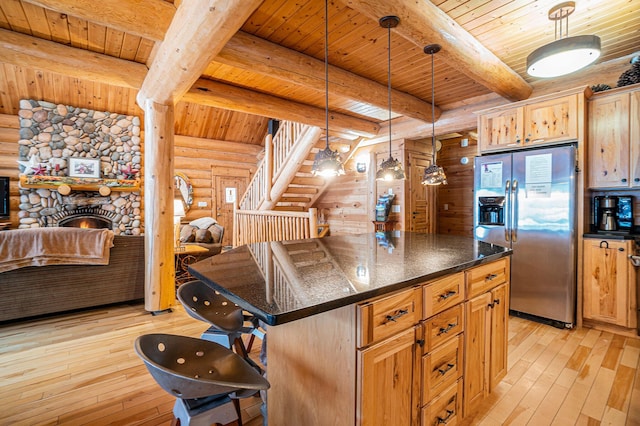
{"type": "Point", "coordinates": [390, 169]}
{"type": "Point", "coordinates": [566, 54]}
{"type": "Point", "coordinates": [434, 174]}
{"type": "Point", "coordinates": [327, 163]}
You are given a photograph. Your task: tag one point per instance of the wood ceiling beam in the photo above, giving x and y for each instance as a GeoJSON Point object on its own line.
{"type": "Point", "coordinates": [254, 54]}
{"type": "Point", "coordinates": [423, 23]}
{"type": "Point", "coordinates": [198, 31]}
{"type": "Point", "coordinates": [23, 50]}
{"type": "Point", "coordinates": [149, 19]}
{"type": "Point", "coordinates": [220, 95]}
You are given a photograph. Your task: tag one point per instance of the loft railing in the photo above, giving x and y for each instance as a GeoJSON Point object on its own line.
{"type": "Point", "coordinates": [252, 226]}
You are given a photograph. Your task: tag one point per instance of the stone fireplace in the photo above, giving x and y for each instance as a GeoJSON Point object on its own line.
{"type": "Point", "coordinates": [50, 134]}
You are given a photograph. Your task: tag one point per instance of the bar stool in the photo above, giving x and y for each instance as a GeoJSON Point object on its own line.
{"type": "Point", "coordinates": [206, 378]}
{"type": "Point", "coordinates": [227, 321]}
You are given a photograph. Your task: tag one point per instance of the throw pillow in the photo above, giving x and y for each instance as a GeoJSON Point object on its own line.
{"type": "Point", "coordinates": [203, 236]}
{"type": "Point", "coordinates": [203, 222]}
{"type": "Point", "coordinates": [187, 234]}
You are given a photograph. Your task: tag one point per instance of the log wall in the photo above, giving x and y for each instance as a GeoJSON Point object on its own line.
{"type": "Point", "coordinates": [455, 200]}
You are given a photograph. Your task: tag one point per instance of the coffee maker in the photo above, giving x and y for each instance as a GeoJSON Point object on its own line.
{"type": "Point", "coordinates": [613, 213]}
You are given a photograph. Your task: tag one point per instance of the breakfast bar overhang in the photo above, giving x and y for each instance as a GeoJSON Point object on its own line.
{"type": "Point", "coordinates": [354, 322]}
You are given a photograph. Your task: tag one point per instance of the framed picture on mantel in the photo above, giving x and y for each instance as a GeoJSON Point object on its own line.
{"type": "Point", "coordinates": [84, 167]}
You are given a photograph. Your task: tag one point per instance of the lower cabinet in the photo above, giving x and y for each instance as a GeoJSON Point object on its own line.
{"type": "Point", "coordinates": [439, 368]}
{"type": "Point", "coordinates": [485, 344]}
{"type": "Point", "coordinates": [387, 381]}
{"type": "Point", "coordinates": [609, 282]}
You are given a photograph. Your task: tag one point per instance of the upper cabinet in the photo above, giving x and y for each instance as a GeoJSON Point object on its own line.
{"type": "Point", "coordinates": [540, 121]}
{"type": "Point", "coordinates": [614, 139]}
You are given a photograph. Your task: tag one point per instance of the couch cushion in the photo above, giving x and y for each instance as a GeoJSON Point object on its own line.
{"type": "Point", "coordinates": [203, 236]}
{"type": "Point", "coordinates": [216, 233]}
{"type": "Point", "coordinates": [203, 222]}
{"type": "Point", "coordinates": [187, 234]}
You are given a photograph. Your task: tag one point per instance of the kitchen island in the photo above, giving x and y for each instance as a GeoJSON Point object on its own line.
{"type": "Point", "coordinates": [373, 328]}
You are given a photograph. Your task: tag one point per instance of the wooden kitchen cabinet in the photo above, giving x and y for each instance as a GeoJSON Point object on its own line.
{"type": "Point", "coordinates": [609, 281]}
{"type": "Point", "coordinates": [529, 123]}
{"type": "Point", "coordinates": [614, 139]}
{"type": "Point", "coordinates": [387, 384]}
{"type": "Point", "coordinates": [486, 317]}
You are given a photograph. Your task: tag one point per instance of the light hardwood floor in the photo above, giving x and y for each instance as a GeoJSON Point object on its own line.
{"type": "Point", "coordinates": [80, 369]}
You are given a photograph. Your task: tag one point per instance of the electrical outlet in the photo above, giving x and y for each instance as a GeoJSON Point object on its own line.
{"type": "Point", "coordinates": [446, 206]}
{"type": "Point", "coordinates": [395, 208]}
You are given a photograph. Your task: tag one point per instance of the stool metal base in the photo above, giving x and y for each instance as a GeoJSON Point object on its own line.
{"type": "Point", "coordinates": [219, 410]}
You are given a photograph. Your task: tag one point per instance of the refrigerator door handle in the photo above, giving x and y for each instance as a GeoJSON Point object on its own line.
{"type": "Point", "coordinates": [514, 211]}
{"type": "Point", "coordinates": [507, 227]}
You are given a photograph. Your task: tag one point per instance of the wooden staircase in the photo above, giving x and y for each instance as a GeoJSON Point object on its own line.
{"type": "Point", "coordinates": [283, 180]}
{"type": "Point", "coordinates": [304, 189]}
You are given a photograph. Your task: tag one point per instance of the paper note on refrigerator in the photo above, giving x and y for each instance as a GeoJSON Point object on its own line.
{"type": "Point", "coordinates": [538, 173]}
{"type": "Point", "coordinates": [538, 168]}
{"type": "Point", "coordinates": [491, 175]}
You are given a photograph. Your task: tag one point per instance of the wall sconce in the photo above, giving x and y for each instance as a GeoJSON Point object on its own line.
{"type": "Point", "coordinates": [361, 167]}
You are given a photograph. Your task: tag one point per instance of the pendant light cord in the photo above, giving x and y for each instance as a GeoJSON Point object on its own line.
{"type": "Point", "coordinates": [389, 82]}
{"type": "Point", "coordinates": [326, 71]}
{"type": "Point", "coordinates": [433, 112]}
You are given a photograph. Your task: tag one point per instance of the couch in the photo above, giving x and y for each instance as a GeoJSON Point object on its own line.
{"type": "Point", "coordinates": [205, 232]}
{"type": "Point", "coordinates": [38, 290]}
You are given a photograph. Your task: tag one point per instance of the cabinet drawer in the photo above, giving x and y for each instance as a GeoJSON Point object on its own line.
{"type": "Point", "coordinates": [386, 316]}
{"type": "Point", "coordinates": [442, 327]}
{"type": "Point", "coordinates": [441, 368]}
{"type": "Point", "coordinates": [446, 408]}
{"type": "Point", "coordinates": [486, 277]}
{"type": "Point", "coordinates": [443, 293]}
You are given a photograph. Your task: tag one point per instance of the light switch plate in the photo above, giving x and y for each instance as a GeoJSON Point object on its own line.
{"type": "Point", "coordinates": [202, 204]}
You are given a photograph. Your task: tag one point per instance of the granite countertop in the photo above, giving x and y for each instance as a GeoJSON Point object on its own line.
{"type": "Point", "coordinates": [287, 280]}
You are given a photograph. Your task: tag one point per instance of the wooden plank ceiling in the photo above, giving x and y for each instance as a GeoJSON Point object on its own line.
{"type": "Point", "coordinates": [279, 52]}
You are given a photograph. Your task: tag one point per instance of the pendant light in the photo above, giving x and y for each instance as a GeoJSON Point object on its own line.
{"type": "Point", "coordinates": [566, 54]}
{"type": "Point", "coordinates": [327, 163]}
{"type": "Point", "coordinates": [390, 169]}
{"type": "Point", "coordinates": [433, 175]}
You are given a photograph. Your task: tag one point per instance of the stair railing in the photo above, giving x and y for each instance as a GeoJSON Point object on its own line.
{"type": "Point", "coordinates": [252, 226]}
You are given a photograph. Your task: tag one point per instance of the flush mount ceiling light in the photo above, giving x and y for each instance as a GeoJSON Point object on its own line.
{"type": "Point", "coordinates": [434, 174]}
{"type": "Point", "coordinates": [566, 54]}
{"type": "Point", "coordinates": [327, 163]}
{"type": "Point", "coordinates": [390, 169]}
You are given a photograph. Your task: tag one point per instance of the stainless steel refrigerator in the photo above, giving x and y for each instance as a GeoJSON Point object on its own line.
{"type": "Point", "coordinates": [526, 200]}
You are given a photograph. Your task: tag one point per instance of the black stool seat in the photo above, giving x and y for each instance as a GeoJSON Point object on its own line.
{"type": "Point", "coordinates": [190, 368]}
{"type": "Point", "coordinates": [205, 304]}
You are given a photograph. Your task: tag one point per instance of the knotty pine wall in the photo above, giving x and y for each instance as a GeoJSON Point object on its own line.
{"type": "Point", "coordinates": [455, 200]}
{"type": "Point", "coordinates": [348, 203]}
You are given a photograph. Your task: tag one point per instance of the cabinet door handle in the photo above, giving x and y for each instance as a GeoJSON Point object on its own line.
{"type": "Point", "coordinates": [445, 420]}
{"type": "Point", "coordinates": [491, 277]}
{"type": "Point", "coordinates": [448, 329]}
{"type": "Point", "coordinates": [444, 370]}
{"type": "Point", "coordinates": [606, 244]}
{"type": "Point", "coordinates": [496, 301]}
{"type": "Point", "coordinates": [445, 296]}
{"type": "Point", "coordinates": [624, 180]}
{"type": "Point", "coordinates": [399, 313]}
{"type": "Point", "coordinates": [636, 180]}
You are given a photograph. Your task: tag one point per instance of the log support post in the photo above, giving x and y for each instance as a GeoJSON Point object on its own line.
{"type": "Point", "coordinates": [160, 291]}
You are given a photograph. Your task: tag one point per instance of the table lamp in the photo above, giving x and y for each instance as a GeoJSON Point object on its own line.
{"type": "Point", "coordinates": [178, 213]}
